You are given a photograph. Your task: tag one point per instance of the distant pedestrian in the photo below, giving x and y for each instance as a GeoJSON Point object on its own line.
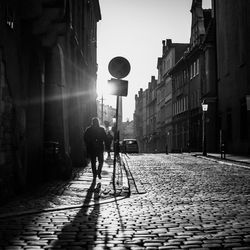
{"type": "Point", "coordinates": [108, 143]}
{"type": "Point", "coordinates": [95, 137]}
{"type": "Point", "coordinates": [223, 151]}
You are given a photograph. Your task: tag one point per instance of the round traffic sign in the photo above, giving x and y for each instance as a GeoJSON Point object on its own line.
{"type": "Point", "coordinates": [119, 67]}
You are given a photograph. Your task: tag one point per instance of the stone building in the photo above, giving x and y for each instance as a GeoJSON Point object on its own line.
{"type": "Point", "coordinates": [47, 85]}
{"type": "Point", "coordinates": [233, 59]}
{"type": "Point", "coordinates": [139, 119]}
{"type": "Point", "coordinates": [214, 70]}
{"type": "Point", "coordinates": [171, 53]}
{"type": "Point", "coordinates": [151, 134]}
{"type": "Point", "coordinates": [145, 118]}
{"type": "Point", "coordinates": [194, 82]}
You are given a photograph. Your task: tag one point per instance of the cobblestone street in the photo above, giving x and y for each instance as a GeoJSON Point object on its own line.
{"type": "Point", "coordinates": [177, 201]}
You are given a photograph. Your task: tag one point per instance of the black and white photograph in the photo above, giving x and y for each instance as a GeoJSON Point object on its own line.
{"type": "Point", "coordinates": [124, 124]}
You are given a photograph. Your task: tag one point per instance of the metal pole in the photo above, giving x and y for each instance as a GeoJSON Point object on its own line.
{"type": "Point", "coordinates": [204, 133]}
{"type": "Point", "coordinates": [115, 139]}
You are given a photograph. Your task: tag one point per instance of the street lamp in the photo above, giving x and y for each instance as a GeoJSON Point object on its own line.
{"type": "Point", "coordinates": [204, 139]}
{"type": "Point", "coordinates": [167, 145]}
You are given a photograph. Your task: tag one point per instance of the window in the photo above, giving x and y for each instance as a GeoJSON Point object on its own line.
{"type": "Point", "coordinates": [194, 69]}
{"type": "Point", "coordinates": [10, 17]}
{"type": "Point", "coordinates": [197, 65]}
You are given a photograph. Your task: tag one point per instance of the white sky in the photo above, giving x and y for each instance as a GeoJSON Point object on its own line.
{"type": "Point", "coordinates": [135, 29]}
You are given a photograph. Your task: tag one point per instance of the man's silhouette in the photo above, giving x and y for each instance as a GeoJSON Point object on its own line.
{"type": "Point", "coordinates": [95, 137]}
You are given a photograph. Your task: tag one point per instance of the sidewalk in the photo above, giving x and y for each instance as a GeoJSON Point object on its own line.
{"type": "Point", "coordinates": [80, 191]}
{"type": "Point", "coordinates": [229, 158]}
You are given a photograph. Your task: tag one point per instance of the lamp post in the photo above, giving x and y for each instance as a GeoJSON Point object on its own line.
{"type": "Point", "coordinates": [167, 145]}
{"type": "Point", "coordinates": [204, 138]}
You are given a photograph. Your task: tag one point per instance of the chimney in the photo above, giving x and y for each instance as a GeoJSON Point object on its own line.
{"type": "Point", "coordinates": [196, 4]}
{"type": "Point", "coordinates": [169, 42]}
{"type": "Point", "coordinates": [163, 46]}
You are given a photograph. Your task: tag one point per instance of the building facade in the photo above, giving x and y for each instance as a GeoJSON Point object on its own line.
{"type": "Point", "coordinates": [214, 70]}
{"type": "Point", "coordinates": [139, 119]}
{"type": "Point", "coordinates": [194, 83]}
{"type": "Point", "coordinates": [145, 117]}
{"type": "Point", "coordinates": [47, 85]}
{"type": "Point", "coordinates": [171, 53]}
{"type": "Point", "coordinates": [186, 79]}
{"type": "Point", "coordinates": [151, 104]}
{"type": "Point", "coordinates": [233, 51]}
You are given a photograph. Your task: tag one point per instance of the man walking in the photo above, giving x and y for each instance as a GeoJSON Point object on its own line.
{"type": "Point", "coordinates": [108, 143]}
{"type": "Point", "coordinates": [95, 137]}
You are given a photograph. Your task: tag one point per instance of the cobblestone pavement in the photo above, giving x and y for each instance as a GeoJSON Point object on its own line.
{"type": "Point", "coordinates": [177, 202]}
{"type": "Point", "coordinates": [60, 194]}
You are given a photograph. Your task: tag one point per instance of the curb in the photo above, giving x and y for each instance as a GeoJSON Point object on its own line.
{"type": "Point", "coordinates": [225, 162]}
{"type": "Point", "coordinates": [130, 178]}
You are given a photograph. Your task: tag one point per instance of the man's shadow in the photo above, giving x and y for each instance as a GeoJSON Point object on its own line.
{"type": "Point", "coordinates": [81, 231]}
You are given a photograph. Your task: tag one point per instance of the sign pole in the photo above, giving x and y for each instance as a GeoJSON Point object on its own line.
{"type": "Point", "coordinates": [116, 140]}
{"type": "Point", "coordinates": [119, 67]}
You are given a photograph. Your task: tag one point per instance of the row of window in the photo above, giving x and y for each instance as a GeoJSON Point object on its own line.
{"type": "Point", "coordinates": [194, 69]}
{"type": "Point", "coordinates": [180, 106]}
{"type": "Point", "coordinates": [8, 15]}
{"type": "Point", "coordinates": [184, 76]}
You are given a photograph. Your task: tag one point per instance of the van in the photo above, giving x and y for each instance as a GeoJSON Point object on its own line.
{"type": "Point", "coordinates": [130, 146]}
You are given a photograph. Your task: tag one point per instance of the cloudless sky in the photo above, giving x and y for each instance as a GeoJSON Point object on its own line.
{"type": "Point", "coordinates": [134, 29]}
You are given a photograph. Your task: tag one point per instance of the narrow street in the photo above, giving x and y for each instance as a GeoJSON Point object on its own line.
{"type": "Point", "coordinates": [177, 201]}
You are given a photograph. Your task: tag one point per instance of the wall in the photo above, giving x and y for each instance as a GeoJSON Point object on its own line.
{"type": "Point", "coordinates": [233, 41]}
{"type": "Point", "coordinates": [6, 134]}
{"type": "Point", "coordinates": [40, 87]}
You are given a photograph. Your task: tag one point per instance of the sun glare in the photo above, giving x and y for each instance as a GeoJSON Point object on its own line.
{"type": "Point", "coordinates": [103, 90]}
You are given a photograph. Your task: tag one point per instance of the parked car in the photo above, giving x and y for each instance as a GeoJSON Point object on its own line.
{"type": "Point", "coordinates": [130, 146]}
